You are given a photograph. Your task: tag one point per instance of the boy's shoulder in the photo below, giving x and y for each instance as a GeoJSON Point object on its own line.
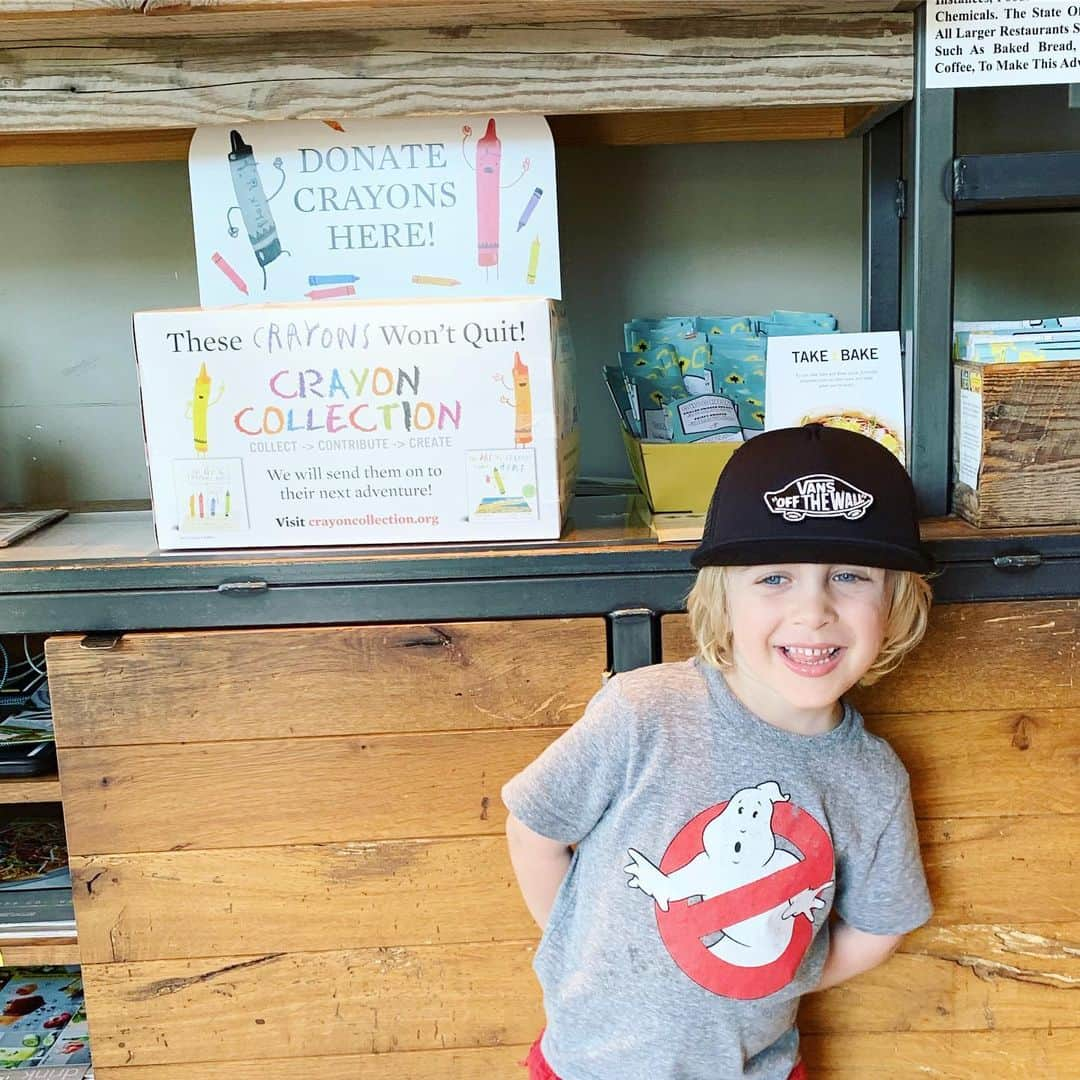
{"type": "Point", "coordinates": [875, 763]}
{"type": "Point", "coordinates": [655, 684]}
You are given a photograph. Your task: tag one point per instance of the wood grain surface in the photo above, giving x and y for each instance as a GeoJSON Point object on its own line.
{"type": "Point", "coordinates": [289, 894]}
{"type": "Point", "coordinates": [172, 905]}
{"type": "Point", "coordinates": [404, 999]}
{"type": "Point", "coordinates": [260, 684]}
{"type": "Point", "coordinates": [587, 129]}
{"type": "Point", "coordinates": [1021, 655]}
{"type": "Point", "coordinates": [964, 1055]}
{"type": "Point", "coordinates": [1030, 471]}
{"type": "Point", "coordinates": [136, 18]}
{"type": "Point", "coordinates": [707, 63]}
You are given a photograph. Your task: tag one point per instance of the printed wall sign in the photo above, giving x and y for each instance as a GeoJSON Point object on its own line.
{"type": "Point", "coordinates": [1001, 43]}
{"type": "Point", "coordinates": [357, 423]}
{"type": "Point", "coordinates": [314, 211]}
{"type": "Point", "coordinates": [851, 381]}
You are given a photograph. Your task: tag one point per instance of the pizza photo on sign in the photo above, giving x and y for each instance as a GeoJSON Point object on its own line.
{"type": "Point", "coordinates": [873, 427]}
{"type": "Point", "coordinates": [735, 908]}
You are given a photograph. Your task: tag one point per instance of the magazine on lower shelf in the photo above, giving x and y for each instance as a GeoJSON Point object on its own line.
{"type": "Point", "coordinates": [35, 882]}
{"type": "Point", "coordinates": [43, 1031]}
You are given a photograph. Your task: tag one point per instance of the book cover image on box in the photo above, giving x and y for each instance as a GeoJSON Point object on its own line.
{"type": "Point", "coordinates": [374, 423]}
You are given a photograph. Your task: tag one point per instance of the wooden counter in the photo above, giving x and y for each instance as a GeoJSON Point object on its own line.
{"type": "Point", "coordinates": [287, 846]}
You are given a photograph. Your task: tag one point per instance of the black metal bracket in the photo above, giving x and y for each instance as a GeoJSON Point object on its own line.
{"type": "Point", "coordinates": [985, 183]}
{"type": "Point", "coordinates": [634, 638]}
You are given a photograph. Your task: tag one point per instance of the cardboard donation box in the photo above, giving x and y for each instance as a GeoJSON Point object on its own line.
{"type": "Point", "coordinates": [1016, 443]}
{"type": "Point", "coordinates": [369, 423]}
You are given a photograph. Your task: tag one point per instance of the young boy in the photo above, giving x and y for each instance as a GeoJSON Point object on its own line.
{"type": "Point", "coordinates": [685, 842]}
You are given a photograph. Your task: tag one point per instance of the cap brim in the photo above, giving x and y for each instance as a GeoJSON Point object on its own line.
{"type": "Point", "coordinates": [813, 550]}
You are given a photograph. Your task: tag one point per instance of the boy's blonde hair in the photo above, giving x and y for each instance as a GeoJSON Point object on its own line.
{"type": "Point", "coordinates": [905, 621]}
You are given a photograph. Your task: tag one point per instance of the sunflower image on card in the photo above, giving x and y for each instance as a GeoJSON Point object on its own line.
{"type": "Point", "coordinates": [873, 427]}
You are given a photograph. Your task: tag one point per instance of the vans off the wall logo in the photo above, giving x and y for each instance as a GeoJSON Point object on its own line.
{"type": "Point", "coordinates": [818, 495]}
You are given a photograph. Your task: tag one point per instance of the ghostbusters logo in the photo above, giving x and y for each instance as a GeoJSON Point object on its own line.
{"type": "Point", "coordinates": [736, 911]}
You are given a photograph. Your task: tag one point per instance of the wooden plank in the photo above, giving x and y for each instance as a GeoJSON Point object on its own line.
{"type": "Point", "coordinates": [1044, 1052]}
{"type": "Point", "coordinates": [179, 904]}
{"type": "Point", "coordinates": [183, 82]}
{"type": "Point", "coordinates": [994, 870]}
{"type": "Point", "coordinates": [455, 996]}
{"type": "Point", "coordinates": [369, 787]}
{"type": "Point", "coordinates": [1043, 953]}
{"type": "Point", "coordinates": [339, 680]}
{"type": "Point", "coordinates": [1028, 427]}
{"type": "Point", "coordinates": [482, 1063]}
{"type": "Point", "coordinates": [290, 791]}
{"type": "Point", "coordinates": [36, 952]}
{"type": "Point", "coordinates": [592, 129]}
{"type": "Point", "coordinates": [700, 126]}
{"type": "Point", "coordinates": [962, 1055]}
{"type": "Point", "coordinates": [282, 1006]}
{"type": "Point", "coordinates": [59, 19]}
{"type": "Point", "coordinates": [1010, 655]}
{"type": "Point", "coordinates": [30, 790]}
{"type": "Point", "coordinates": [985, 764]}
{"type": "Point", "coordinates": [94, 148]}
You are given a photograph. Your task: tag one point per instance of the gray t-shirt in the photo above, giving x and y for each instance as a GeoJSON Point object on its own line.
{"type": "Point", "coordinates": [711, 848]}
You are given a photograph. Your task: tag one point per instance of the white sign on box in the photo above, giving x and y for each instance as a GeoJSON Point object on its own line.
{"type": "Point", "coordinates": [1001, 43]}
{"type": "Point", "coordinates": [851, 381]}
{"type": "Point", "coordinates": [440, 207]}
{"type": "Point", "coordinates": [358, 423]}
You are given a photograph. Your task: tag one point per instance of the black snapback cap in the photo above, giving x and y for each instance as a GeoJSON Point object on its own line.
{"type": "Point", "coordinates": [813, 494]}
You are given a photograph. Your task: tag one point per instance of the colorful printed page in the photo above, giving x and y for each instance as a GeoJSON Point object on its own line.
{"type": "Point", "coordinates": [446, 207]}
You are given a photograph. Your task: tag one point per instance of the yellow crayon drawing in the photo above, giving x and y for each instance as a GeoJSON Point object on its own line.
{"type": "Point", "coordinates": [197, 408]}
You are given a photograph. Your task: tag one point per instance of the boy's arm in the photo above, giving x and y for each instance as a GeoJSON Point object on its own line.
{"type": "Point", "coordinates": [851, 952]}
{"type": "Point", "coordinates": [539, 864]}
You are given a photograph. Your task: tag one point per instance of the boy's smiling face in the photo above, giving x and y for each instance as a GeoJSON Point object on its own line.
{"type": "Point", "coordinates": [802, 635]}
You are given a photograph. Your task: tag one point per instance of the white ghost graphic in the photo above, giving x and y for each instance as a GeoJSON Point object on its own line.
{"type": "Point", "coordinates": [740, 847]}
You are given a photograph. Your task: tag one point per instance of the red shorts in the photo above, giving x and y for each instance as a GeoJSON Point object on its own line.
{"type": "Point", "coordinates": [539, 1069]}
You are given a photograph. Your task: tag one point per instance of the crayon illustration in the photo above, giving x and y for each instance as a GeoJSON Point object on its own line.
{"type": "Point", "coordinates": [191, 506]}
{"type": "Point", "coordinates": [228, 503]}
{"type": "Point", "coordinates": [488, 186]}
{"type": "Point", "coordinates": [198, 407]}
{"type": "Point", "coordinates": [213, 506]}
{"type": "Point", "coordinates": [220, 262]}
{"type": "Point", "coordinates": [488, 164]}
{"type": "Point", "coordinates": [497, 477]}
{"type": "Point", "coordinates": [333, 125]}
{"type": "Point", "coordinates": [522, 403]}
{"type": "Point", "coordinates": [331, 293]}
{"type": "Point", "coordinates": [253, 204]}
{"type": "Point", "coordinates": [201, 514]}
{"type": "Point", "coordinates": [530, 206]}
{"type": "Point", "coordinates": [534, 261]}
{"type": "Point", "coordinates": [430, 279]}
{"type": "Point", "coordinates": [332, 279]}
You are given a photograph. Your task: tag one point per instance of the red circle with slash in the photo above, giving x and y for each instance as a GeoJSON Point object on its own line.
{"type": "Point", "coordinates": [683, 925]}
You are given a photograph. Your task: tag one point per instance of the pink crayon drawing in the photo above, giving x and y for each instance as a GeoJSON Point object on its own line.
{"type": "Point", "coordinates": [219, 261]}
{"type": "Point", "coordinates": [328, 294]}
{"type": "Point", "coordinates": [488, 163]}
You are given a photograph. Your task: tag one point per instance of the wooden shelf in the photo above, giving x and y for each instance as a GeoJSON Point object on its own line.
{"type": "Point", "coordinates": [35, 952]}
{"type": "Point", "coordinates": [588, 129]}
{"type": "Point", "coordinates": [58, 19]}
{"type": "Point", "coordinates": [31, 790]}
{"type": "Point", "coordinates": [719, 70]}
